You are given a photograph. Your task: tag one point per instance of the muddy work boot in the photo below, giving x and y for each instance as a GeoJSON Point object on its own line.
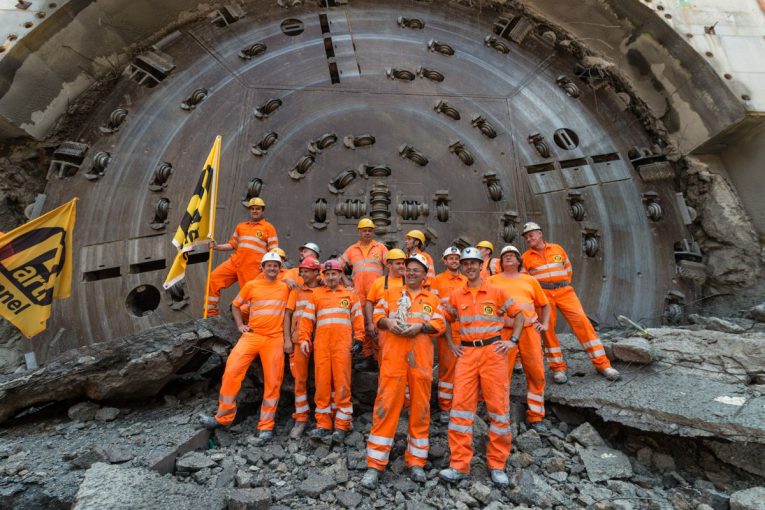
{"type": "Point", "coordinates": [209, 422]}
{"type": "Point", "coordinates": [499, 478]}
{"type": "Point", "coordinates": [610, 373]}
{"type": "Point", "coordinates": [560, 377]}
{"type": "Point", "coordinates": [451, 475]}
{"type": "Point", "coordinates": [264, 437]}
{"type": "Point", "coordinates": [417, 474]}
{"type": "Point", "coordinates": [338, 436]}
{"type": "Point", "coordinates": [370, 479]}
{"type": "Point", "coordinates": [539, 427]}
{"type": "Point", "coordinates": [320, 436]}
{"type": "Point", "coordinates": [297, 430]}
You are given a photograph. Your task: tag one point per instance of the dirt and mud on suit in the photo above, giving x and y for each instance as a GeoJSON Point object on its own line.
{"type": "Point", "coordinates": [445, 283]}
{"type": "Point", "coordinates": [404, 362]}
{"type": "Point", "coordinates": [250, 240]}
{"type": "Point", "coordinates": [334, 319]}
{"type": "Point", "coordinates": [367, 263]}
{"type": "Point", "coordinates": [552, 269]}
{"type": "Point", "coordinates": [529, 296]}
{"type": "Point", "coordinates": [267, 302]}
{"type": "Point", "coordinates": [481, 314]}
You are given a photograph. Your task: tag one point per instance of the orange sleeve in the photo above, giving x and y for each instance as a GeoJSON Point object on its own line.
{"type": "Point", "coordinates": [345, 258]}
{"type": "Point", "coordinates": [438, 322]}
{"type": "Point", "coordinates": [540, 298]}
{"type": "Point", "coordinates": [292, 300]}
{"type": "Point", "coordinates": [234, 241]}
{"type": "Point", "coordinates": [374, 291]}
{"type": "Point", "coordinates": [508, 303]}
{"type": "Point", "coordinates": [243, 296]}
{"type": "Point", "coordinates": [450, 308]}
{"type": "Point", "coordinates": [307, 321]}
{"type": "Point", "coordinates": [357, 318]}
{"type": "Point", "coordinates": [381, 308]}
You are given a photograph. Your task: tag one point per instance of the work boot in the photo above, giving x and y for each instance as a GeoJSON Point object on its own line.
{"type": "Point", "coordinates": [610, 373]}
{"type": "Point", "coordinates": [560, 377]}
{"type": "Point", "coordinates": [539, 426]}
{"type": "Point", "coordinates": [443, 417]}
{"type": "Point", "coordinates": [297, 429]}
{"type": "Point", "coordinates": [209, 422]}
{"type": "Point", "coordinates": [338, 436]}
{"type": "Point", "coordinates": [499, 478]}
{"type": "Point", "coordinates": [320, 436]}
{"type": "Point", "coordinates": [264, 437]}
{"type": "Point", "coordinates": [417, 474]}
{"type": "Point", "coordinates": [369, 480]}
{"type": "Point", "coordinates": [451, 475]}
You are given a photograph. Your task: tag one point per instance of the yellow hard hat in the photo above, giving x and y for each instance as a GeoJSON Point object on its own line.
{"type": "Point", "coordinates": [281, 253]}
{"type": "Point", "coordinates": [256, 201]}
{"type": "Point", "coordinates": [365, 223]}
{"type": "Point", "coordinates": [395, 254]}
{"type": "Point", "coordinates": [417, 234]}
{"type": "Point", "coordinates": [485, 244]}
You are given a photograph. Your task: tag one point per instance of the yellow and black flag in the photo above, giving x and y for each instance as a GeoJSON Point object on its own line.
{"type": "Point", "coordinates": [196, 226]}
{"type": "Point", "coordinates": [36, 268]}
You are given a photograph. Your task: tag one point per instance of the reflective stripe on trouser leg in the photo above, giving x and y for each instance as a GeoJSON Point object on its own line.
{"type": "Point", "coordinates": [341, 383]}
{"type": "Point", "coordinates": [496, 391]}
{"type": "Point", "coordinates": [322, 368]}
{"type": "Point", "coordinates": [239, 360]}
{"type": "Point", "coordinates": [446, 364]}
{"type": "Point", "coordinates": [460, 429]}
{"type": "Point", "coordinates": [272, 358]}
{"type": "Point", "coordinates": [533, 368]}
{"type": "Point", "coordinates": [222, 277]}
{"type": "Point", "coordinates": [550, 339]}
{"type": "Point", "coordinates": [571, 308]}
{"type": "Point", "coordinates": [299, 370]}
{"type": "Point", "coordinates": [387, 409]}
{"type": "Point", "coordinates": [420, 381]}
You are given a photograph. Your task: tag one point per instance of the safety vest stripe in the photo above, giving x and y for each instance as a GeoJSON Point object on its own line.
{"type": "Point", "coordinates": [374, 454]}
{"type": "Point", "coordinates": [311, 317]}
{"type": "Point", "coordinates": [552, 350]}
{"type": "Point", "coordinates": [417, 452]}
{"type": "Point", "coordinates": [324, 322]}
{"type": "Point", "coordinates": [382, 302]}
{"type": "Point", "coordinates": [420, 315]}
{"type": "Point", "coordinates": [267, 415]}
{"type": "Point", "coordinates": [483, 318]}
{"type": "Point", "coordinates": [470, 331]}
{"type": "Point", "coordinates": [592, 343]}
{"type": "Point", "coordinates": [323, 410]}
{"type": "Point", "coordinates": [381, 440]}
{"type": "Point", "coordinates": [268, 302]}
{"type": "Point", "coordinates": [535, 397]}
{"type": "Point", "coordinates": [420, 442]}
{"type": "Point", "coordinates": [551, 274]}
{"type": "Point", "coordinates": [270, 402]}
{"type": "Point", "coordinates": [595, 354]}
{"type": "Point", "coordinates": [378, 311]}
{"type": "Point", "coordinates": [303, 303]}
{"type": "Point", "coordinates": [460, 428]}
{"type": "Point", "coordinates": [273, 239]}
{"type": "Point", "coordinates": [225, 399]}
{"type": "Point", "coordinates": [252, 238]}
{"type": "Point", "coordinates": [301, 398]}
{"type": "Point", "coordinates": [275, 313]}
{"type": "Point", "coordinates": [342, 416]}
{"type": "Point", "coordinates": [535, 407]}
{"type": "Point", "coordinates": [554, 359]}
{"type": "Point", "coordinates": [467, 415]}
{"type": "Point", "coordinates": [506, 305]}
{"type": "Point", "coordinates": [445, 384]}
{"type": "Point", "coordinates": [213, 298]}
{"type": "Point", "coordinates": [251, 247]}
{"type": "Point", "coordinates": [446, 396]}
{"type": "Point", "coordinates": [376, 270]}
{"type": "Point", "coordinates": [326, 311]}
{"type": "Point", "coordinates": [355, 307]}
{"type": "Point", "coordinates": [502, 431]}
{"type": "Point", "coordinates": [302, 409]}
{"type": "Point", "coordinates": [499, 418]}
{"type": "Point", "coordinates": [537, 269]}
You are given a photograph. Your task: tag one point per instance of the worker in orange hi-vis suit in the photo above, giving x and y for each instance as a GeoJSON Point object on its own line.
{"type": "Point", "coordinates": [267, 334]}
{"type": "Point", "coordinates": [250, 241]}
{"type": "Point", "coordinates": [549, 264]}
{"type": "Point", "coordinates": [410, 316]}
{"type": "Point", "coordinates": [336, 320]}
{"type": "Point", "coordinates": [309, 274]}
{"type": "Point", "coordinates": [393, 279]}
{"type": "Point", "coordinates": [414, 243]}
{"type": "Point", "coordinates": [366, 258]}
{"type": "Point", "coordinates": [445, 283]}
{"type": "Point", "coordinates": [527, 292]}
{"type": "Point", "coordinates": [490, 265]}
{"type": "Point", "coordinates": [482, 310]}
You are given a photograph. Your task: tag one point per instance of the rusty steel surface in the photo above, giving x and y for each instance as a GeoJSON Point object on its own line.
{"type": "Point", "coordinates": [437, 168]}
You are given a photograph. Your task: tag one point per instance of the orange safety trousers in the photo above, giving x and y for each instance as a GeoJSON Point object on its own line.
{"type": "Point", "coordinates": [480, 368]}
{"type": "Point", "coordinates": [404, 362]}
{"type": "Point", "coordinates": [332, 377]}
{"type": "Point", "coordinates": [530, 346]}
{"type": "Point", "coordinates": [447, 362]}
{"type": "Point", "coordinates": [299, 370]}
{"type": "Point", "coordinates": [566, 300]}
{"type": "Point", "coordinates": [250, 346]}
{"type": "Point", "coordinates": [224, 277]}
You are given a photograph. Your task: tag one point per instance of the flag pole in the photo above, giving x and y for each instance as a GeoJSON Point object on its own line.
{"type": "Point", "coordinates": [213, 210]}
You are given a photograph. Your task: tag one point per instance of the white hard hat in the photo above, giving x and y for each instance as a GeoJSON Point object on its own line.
{"type": "Point", "coordinates": [451, 250]}
{"type": "Point", "coordinates": [509, 248]}
{"type": "Point", "coordinates": [271, 256]}
{"type": "Point", "coordinates": [313, 247]}
{"type": "Point", "coordinates": [529, 226]}
{"type": "Point", "coordinates": [418, 257]}
{"type": "Point", "coordinates": [471, 253]}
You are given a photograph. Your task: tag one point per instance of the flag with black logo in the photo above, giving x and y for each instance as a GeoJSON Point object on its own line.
{"type": "Point", "coordinates": [198, 219]}
{"type": "Point", "coordinates": [36, 268]}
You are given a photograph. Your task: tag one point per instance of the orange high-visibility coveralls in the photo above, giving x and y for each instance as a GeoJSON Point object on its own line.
{"type": "Point", "coordinates": [266, 302]}
{"type": "Point", "coordinates": [367, 264]}
{"type": "Point", "coordinates": [298, 361]}
{"type": "Point", "coordinates": [480, 313]}
{"type": "Point", "coordinates": [376, 292]}
{"type": "Point", "coordinates": [251, 240]}
{"type": "Point", "coordinates": [283, 273]}
{"type": "Point", "coordinates": [552, 270]}
{"type": "Point", "coordinates": [529, 296]}
{"type": "Point", "coordinates": [490, 268]}
{"type": "Point", "coordinates": [335, 320]}
{"type": "Point", "coordinates": [445, 283]}
{"type": "Point", "coordinates": [404, 361]}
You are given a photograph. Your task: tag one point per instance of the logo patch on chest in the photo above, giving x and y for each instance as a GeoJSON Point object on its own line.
{"type": "Point", "coordinates": [488, 310]}
{"type": "Point", "coordinates": [345, 303]}
{"type": "Point", "coordinates": [427, 309]}
{"type": "Point", "coordinates": [258, 234]}
{"type": "Point", "coordinates": [557, 258]}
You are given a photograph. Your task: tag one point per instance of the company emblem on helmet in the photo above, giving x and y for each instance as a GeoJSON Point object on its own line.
{"type": "Point", "coordinates": [310, 263]}
{"type": "Point", "coordinates": [417, 257]}
{"type": "Point", "coordinates": [417, 234]}
{"type": "Point", "coordinates": [313, 247]}
{"type": "Point", "coordinates": [451, 250]}
{"type": "Point", "coordinates": [256, 201]}
{"type": "Point", "coordinates": [530, 226]}
{"type": "Point", "coordinates": [271, 256]}
{"type": "Point", "coordinates": [471, 253]}
{"type": "Point", "coordinates": [333, 265]}
{"type": "Point", "coordinates": [395, 254]}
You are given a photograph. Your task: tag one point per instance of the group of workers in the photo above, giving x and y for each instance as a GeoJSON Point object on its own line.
{"type": "Point", "coordinates": [483, 313]}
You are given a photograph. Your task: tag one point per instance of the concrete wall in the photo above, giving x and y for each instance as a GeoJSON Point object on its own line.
{"type": "Point", "coordinates": [745, 162]}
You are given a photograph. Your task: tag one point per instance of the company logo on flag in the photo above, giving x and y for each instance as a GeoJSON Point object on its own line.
{"type": "Point", "coordinates": [36, 268]}
{"type": "Point", "coordinates": [198, 218]}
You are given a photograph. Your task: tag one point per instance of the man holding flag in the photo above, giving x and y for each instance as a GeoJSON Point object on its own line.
{"type": "Point", "coordinates": [36, 268]}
